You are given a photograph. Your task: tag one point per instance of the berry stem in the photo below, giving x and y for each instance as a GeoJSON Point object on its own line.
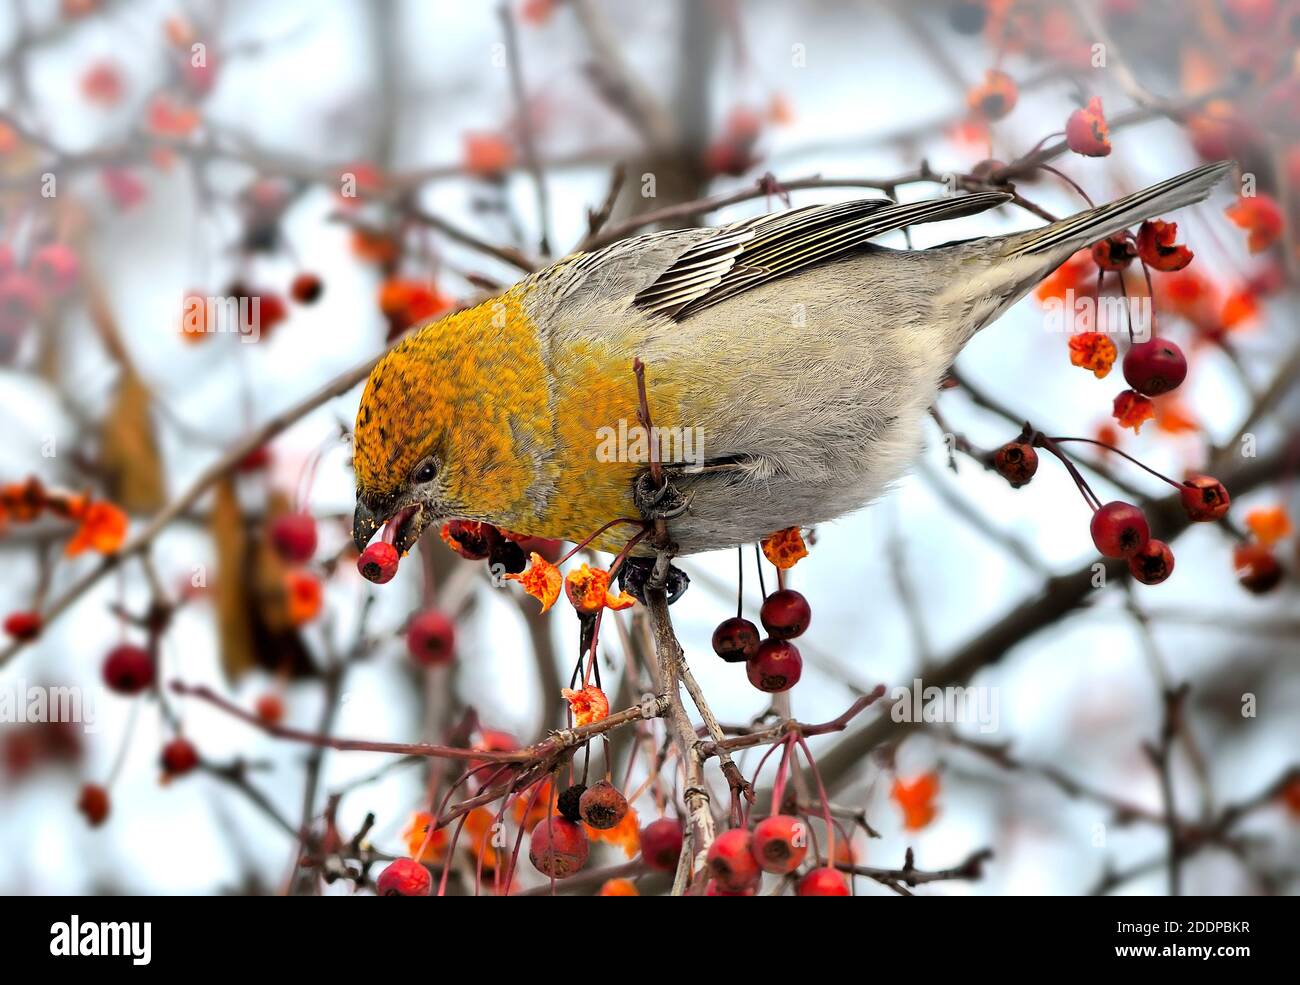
{"type": "Point", "coordinates": [1043, 441]}
{"type": "Point", "coordinates": [1123, 454]}
{"type": "Point", "coordinates": [590, 537]}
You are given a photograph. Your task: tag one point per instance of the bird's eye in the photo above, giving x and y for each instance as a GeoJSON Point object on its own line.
{"type": "Point", "coordinates": [425, 471]}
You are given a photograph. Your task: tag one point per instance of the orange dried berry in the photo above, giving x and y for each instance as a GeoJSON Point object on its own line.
{"type": "Point", "coordinates": [626, 834]}
{"type": "Point", "coordinates": [1261, 217]}
{"type": "Point", "coordinates": [1086, 131]}
{"type": "Point", "coordinates": [304, 595]}
{"type": "Point", "coordinates": [487, 155]}
{"type": "Point", "coordinates": [424, 843]}
{"type": "Point", "coordinates": [542, 580]}
{"type": "Point", "coordinates": [103, 529]}
{"type": "Point", "coordinates": [916, 798]}
{"type": "Point", "coordinates": [1268, 524]}
{"type": "Point", "coordinates": [470, 539]}
{"type": "Point", "coordinates": [785, 548]}
{"type": "Point", "coordinates": [1240, 309]}
{"type": "Point", "coordinates": [618, 887]}
{"type": "Point", "coordinates": [167, 119]}
{"type": "Point", "coordinates": [1131, 409]}
{"type": "Point", "coordinates": [995, 97]}
{"type": "Point", "coordinates": [1257, 568]}
{"type": "Point", "coordinates": [588, 705]}
{"type": "Point", "coordinates": [1115, 252]}
{"type": "Point", "coordinates": [1157, 247]}
{"type": "Point", "coordinates": [1077, 274]}
{"type": "Point", "coordinates": [1094, 351]}
{"type": "Point", "coordinates": [586, 588]}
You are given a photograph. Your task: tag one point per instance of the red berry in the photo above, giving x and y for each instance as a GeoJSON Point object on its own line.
{"type": "Point", "coordinates": [55, 266]}
{"type": "Point", "coordinates": [1153, 563]}
{"type": "Point", "coordinates": [270, 708]}
{"type": "Point", "coordinates": [823, 882]}
{"type": "Point", "coordinates": [785, 614]}
{"type": "Point", "coordinates": [731, 860]}
{"type": "Point", "coordinates": [1016, 461]}
{"type": "Point", "coordinates": [128, 669]}
{"type": "Point", "coordinates": [378, 562]}
{"type": "Point", "coordinates": [294, 537]}
{"type": "Point", "coordinates": [780, 843]}
{"type": "Point", "coordinates": [775, 666]}
{"type": "Point", "coordinates": [714, 889]}
{"type": "Point", "coordinates": [179, 757]}
{"type": "Point", "coordinates": [735, 639]}
{"type": "Point", "coordinates": [602, 806]}
{"type": "Point", "coordinates": [306, 288]}
{"type": "Point", "coordinates": [405, 877]}
{"type": "Point", "coordinates": [1154, 367]}
{"type": "Point", "coordinates": [93, 803]}
{"type": "Point", "coordinates": [558, 847]}
{"type": "Point", "coordinates": [23, 625]}
{"type": "Point", "coordinates": [1204, 498]}
{"type": "Point", "coordinates": [430, 638]}
{"type": "Point", "coordinates": [1119, 529]}
{"type": "Point", "coordinates": [1115, 252]}
{"type": "Point", "coordinates": [1257, 568]}
{"type": "Point", "coordinates": [661, 843]}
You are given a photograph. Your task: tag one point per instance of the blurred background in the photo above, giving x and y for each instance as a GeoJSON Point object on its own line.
{"type": "Point", "coordinates": [357, 167]}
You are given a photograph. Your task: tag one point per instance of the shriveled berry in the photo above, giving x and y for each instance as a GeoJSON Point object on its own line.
{"type": "Point", "coordinates": [569, 802]}
{"type": "Point", "coordinates": [1016, 461]}
{"type": "Point", "coordinates": [780, 843]}
{"type": "Point", "coordinates": [1154, 367]}
{"type": "Point", "coordinates": [431, 638]}
{"type": "Point", "coordinates": [1258, 569]}
{"type": "Point", "coordinates": [603, 806]}
{"type": "Point", "coordinates": [735, 639]}
{"type": "Point", "coordinates": [558, 847]}
{"type": "Point", "coordinates": [1153, 563]}
{"type": "Point", "coordinates": [661, 844]}
{"type": "Point", "coordinates": [731, 860]}
{"type": "Point", "coordinates": [635, 573]}
{"type": "Point", "coordinates": [823, 882]}
{"type": "Point", "coordinates": [128, 669]}
{"type": "Point", "coordinates": [179, 757]}
{"type": "Point", "coordinates": [1119, 529]}
{"type": "Point", "coordinates": [1204, 498]}
{"type": "Point", "coordinates": [470, 539]}
{"type": "Point", "coordinates": [294, 537]}
{"type": "Point", "coordinates": [508, 556]}
{"type": "Point", "coordinates": [93, 803]}
{"type": "Point", "coordinates": [306, 288]}
{"type": "Point", "coordinates": [404, 877]}
{"type": "Point", "coordinates": [378, 562]}
{"type": "Point", "coordinates": [785, 614]}
{"type": "Point", "coordinates": [775, 666]}
{"type": "Point", "coordinates": [1115, 252]}
{"type": "Point", "coordinates": [23, 625]}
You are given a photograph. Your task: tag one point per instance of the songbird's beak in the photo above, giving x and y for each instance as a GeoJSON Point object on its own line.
{"type": "Point", "coordinates": [364, 525]}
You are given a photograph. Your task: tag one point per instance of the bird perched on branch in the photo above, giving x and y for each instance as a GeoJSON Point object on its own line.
{"type": "Point", "coordinates": [790, 362]}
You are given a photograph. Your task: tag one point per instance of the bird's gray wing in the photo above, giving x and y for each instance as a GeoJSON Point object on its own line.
{"type": "Point", "coordinates": [742, 256]}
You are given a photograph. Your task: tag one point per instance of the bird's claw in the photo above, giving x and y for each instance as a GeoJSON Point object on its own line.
{"type": "Point", "coordinates": [665, 502]}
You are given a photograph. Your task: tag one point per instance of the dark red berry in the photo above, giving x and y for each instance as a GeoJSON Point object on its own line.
{"type": "Point", "coordinates": [603, 806]}
{"type": "Point", "coordinates": [775, 666]}
{"type": "Point", "coordinates": [179, 757]}
{"type": "Point", "coordinates": [128, 669]}
{"type": "Point", "coordinates": [270, 708]}
{"type": "Point", "coordinates": [785, 614]}
{"type": "Point", "coordinates": [431, 638]}
{"type": "Point", "coordinates": [1119, 529]}
{"type": "Point", "coordinates": [731, 860]}
{"type": "Point", "coordinates": [93, 803]}
{"type": "Point", "coordinates": [1204, 498]}
{"type": "Point", "coordinates": [508, 556]}
{"type": "Point", "coordinates": [23, 625]}
{"type": "Point", "coordinates": [661, 844]}
{"type": "Point", "coordinates": [823, 882]}
{"type": "Point", "coordinates": [558, 847]}
{"type": "Point", "coordinates": [735, 639]}
{"type": "Point", "coordinates": [1153, 563]}
{"type": "Point", "coordinates": [1016, 462]}
{"type": "Point", "coordinates": [294, 537]}
{"type": "Point", "coordinates": [569, 803]}
{"type": "Point", "coordinates": [378, 562]}
{"type": "Point", "coordinates": [1258, 569]}
{"type": "Point", "coordinates": [306, 288]}
{"type": "Point", "coordinates": [1154, 367]}
{"type": "Point", "coordinates": [780, 843]}
{"type": "Point", "coordinates": [405, 877]}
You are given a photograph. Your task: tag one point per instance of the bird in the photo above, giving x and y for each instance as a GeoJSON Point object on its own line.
{"type": "Point", "coordinates": [789, 363]}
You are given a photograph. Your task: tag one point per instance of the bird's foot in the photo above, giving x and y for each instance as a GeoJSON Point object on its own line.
{"type": "Point", "coordinates": [665, 502]}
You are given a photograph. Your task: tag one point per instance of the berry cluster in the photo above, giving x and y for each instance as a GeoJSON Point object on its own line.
{"type": "Point", "coordinates": [772, 664]}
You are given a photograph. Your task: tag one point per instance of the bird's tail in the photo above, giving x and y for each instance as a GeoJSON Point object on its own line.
{"type": "Point", "coordinates": [1056, 242]}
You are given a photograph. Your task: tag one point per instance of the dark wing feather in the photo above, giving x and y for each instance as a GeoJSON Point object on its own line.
{"type": "Point", "coordinates": [756, 251]}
